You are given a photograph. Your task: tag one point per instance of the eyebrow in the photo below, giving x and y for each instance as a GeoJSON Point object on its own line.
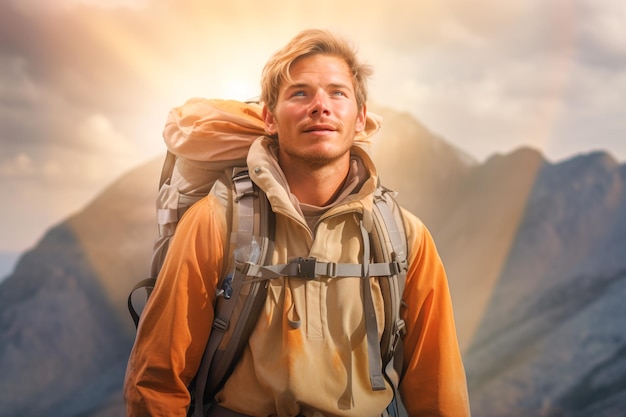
{"type": "Point", "coordinates": [305, 85]}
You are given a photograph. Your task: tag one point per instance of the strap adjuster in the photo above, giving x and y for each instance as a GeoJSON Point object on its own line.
{"type": "Point", "coordinates": [243, 184]}
{"type": "Point", "coordinates": [395, 268]}
{"type": "Point", "coordinates": [220, 324]}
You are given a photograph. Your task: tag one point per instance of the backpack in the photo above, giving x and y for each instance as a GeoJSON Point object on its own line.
{"type": "Point", "coordinates": [207, 143]}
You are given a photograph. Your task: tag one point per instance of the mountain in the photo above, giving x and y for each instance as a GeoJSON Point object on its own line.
{"type": "Point", "coordinates": [534, 252]}
{"type": "Point", "coordinates": [552, 341]}
{"type": "Point", "coordinates": [64, 326]}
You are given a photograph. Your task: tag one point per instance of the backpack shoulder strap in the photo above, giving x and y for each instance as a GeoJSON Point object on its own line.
{"type": "Point", "coordinates": [390, 245]}
{"type": "Point", "coordinates": [168, 168]}
{"type": "Point", "coordinates": [163, 217]}
{"type": "Point", "coordinates": [252, 234]}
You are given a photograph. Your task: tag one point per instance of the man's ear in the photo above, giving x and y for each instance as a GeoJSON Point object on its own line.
{"type": "Point", "coordinates": [361, 119]}
{"type": "Point", "coordinates": [270, 124]}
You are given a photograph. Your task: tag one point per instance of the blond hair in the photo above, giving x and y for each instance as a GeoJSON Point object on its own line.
{"type": "Point", "coordinates": [307, 43]}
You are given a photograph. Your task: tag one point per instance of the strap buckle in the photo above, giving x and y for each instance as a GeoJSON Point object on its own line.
{"type": "Point", "coordinates": [306, 267]}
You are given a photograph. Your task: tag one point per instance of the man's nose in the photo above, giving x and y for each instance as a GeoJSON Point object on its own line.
{"type": "Point", "coordinates": [319, 104]}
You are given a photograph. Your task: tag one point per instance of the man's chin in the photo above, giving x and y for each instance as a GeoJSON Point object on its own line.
{"type": "Point", "coordinates": [317, 158]}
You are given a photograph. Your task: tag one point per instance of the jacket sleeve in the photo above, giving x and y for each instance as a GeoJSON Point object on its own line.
{"type": "Point", "coordinates": [176, 321]}
{"type": "Point", "coordinates": [434, 382]}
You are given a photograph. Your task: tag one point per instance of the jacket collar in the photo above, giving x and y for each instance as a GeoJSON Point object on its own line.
{"type": "Point", "coordinates": [266, 173]}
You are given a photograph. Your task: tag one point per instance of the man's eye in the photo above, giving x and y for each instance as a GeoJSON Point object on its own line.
{"type": "Point", "coordinates": [298, 94]}
{"type": "Point", "coordinates": [338, 93]}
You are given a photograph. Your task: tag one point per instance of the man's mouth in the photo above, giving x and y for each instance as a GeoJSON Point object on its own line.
{"type": "Point", "coordinates": [320, 128]}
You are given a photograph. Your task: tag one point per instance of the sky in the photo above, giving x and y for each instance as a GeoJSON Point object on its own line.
{"type": "Point", "coordinates": [85, 85]}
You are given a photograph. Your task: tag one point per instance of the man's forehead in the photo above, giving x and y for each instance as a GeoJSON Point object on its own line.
{"type": "Point", "coordinates": [320, 66]}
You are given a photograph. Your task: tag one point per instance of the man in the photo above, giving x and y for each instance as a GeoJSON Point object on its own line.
{"type": "Point", "coordinates": [308, 354]}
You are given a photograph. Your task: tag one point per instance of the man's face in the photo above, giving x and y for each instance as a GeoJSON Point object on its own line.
{"type": "Point", "coordinates": [316, 115]}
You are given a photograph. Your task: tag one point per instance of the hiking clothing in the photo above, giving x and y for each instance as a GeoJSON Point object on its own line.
{"type": "Point", "coordinates": [308, 353]}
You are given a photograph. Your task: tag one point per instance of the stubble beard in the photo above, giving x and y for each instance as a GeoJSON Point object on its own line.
{"type": "Point", "coordinates": [315, 160]}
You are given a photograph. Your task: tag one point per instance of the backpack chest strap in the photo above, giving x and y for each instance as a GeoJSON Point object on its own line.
{"type": "Point", "coordinates": [311, 268]}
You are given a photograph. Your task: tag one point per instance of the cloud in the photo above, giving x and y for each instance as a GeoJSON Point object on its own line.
{"type": "Point", "coordinates": [110, 4]}
{"type": "Point", "coordinates": [603, 25]}
{"type": "Point", "coordinates": [66, 6]}
{"type": "Point", "coordinates": [16, 87]}
{"type": "Point", "coordinates": [103, 155]}
{"type": "Point", "coordinates": [97, 132]}
{"type": "Point", "coordinates": [19, 166]}
{"type": "Point", "coordinates": [488, 84]}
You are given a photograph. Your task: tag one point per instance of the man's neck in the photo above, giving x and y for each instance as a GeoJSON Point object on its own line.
{"type": "Point", "coordinates": [316, 186]}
